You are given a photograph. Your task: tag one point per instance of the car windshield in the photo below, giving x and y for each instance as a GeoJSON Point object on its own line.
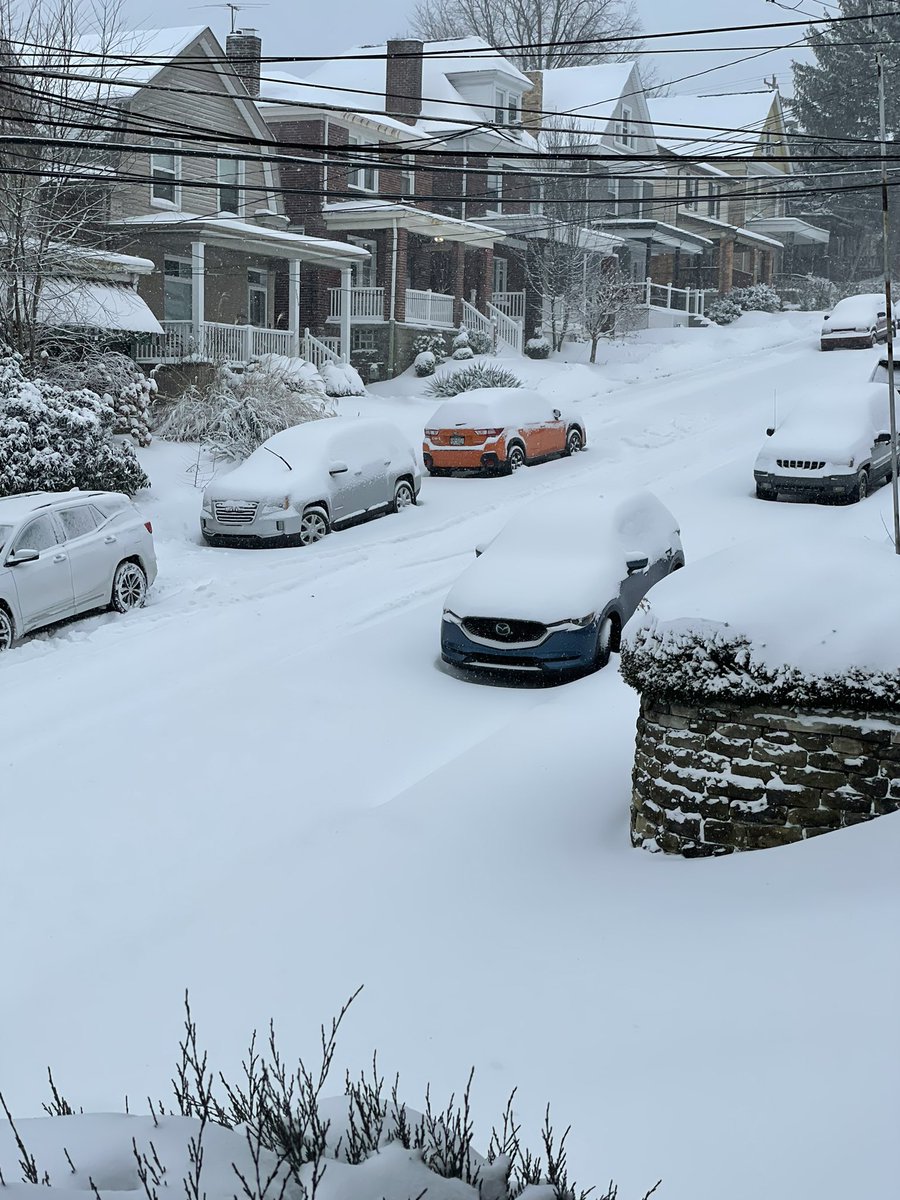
{"type": "Point", "coordinates": [5, 531]}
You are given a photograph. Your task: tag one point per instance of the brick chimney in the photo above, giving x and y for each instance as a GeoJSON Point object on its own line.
{"type": "Point", "coordinates": [533, 103]}
{"type": "Point", "coordinates": [243, 48]}
{"type": "Point", "coordinates": [403, 79]}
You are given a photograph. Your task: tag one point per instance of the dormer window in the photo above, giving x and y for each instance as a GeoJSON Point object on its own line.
{"type": "Point", "coordinates": [501, 100]}
{"type": "Point", "coordinates": [625, 128]}
{"type": "Point", "coordinates": [514, 109]}
{"type": "Point", "coordinates": [691, 192]}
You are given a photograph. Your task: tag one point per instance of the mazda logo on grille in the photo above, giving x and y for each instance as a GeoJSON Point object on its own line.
{"type": "Point", "coordinates": [502, 629]}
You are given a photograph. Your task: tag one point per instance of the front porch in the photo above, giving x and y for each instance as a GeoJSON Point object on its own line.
{"type": "Point", "coordinates": [214, 289]}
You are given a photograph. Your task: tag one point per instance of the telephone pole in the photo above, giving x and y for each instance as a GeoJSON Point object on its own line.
{"type": "Point", "coordinates": [888, 305]}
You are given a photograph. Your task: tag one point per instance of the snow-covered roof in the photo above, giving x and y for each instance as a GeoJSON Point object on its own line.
{"type": "Point", "coordinates": [85, 303]}
{"type": "Point", "coordinates": [589, 94]}
{"type": "Point", "coordinates": [381, 214]}
{"type": "Point", "coordinates": [113, 60]}
{"type": "Point", "coordinates": [701, 124]}
{"type": "Point", "coordinates": [356, 83]}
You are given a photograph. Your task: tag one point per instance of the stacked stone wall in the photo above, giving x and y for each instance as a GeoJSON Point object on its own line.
{"type": "Point", "coordinates": [719, 778]}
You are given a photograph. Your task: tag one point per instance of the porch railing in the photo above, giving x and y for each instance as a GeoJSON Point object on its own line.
{"type": "Point", "coordinates": [508, 330]}
{"type": "Point", "coordinates": [317, 350]}
{"type": "Point", "coordinates": [510, 303]}
{"type": "Point", "coordinates": [477, 321]}
{"type": "Point", "coordinates": [216, 343]}
{"type": "Point", "coordinates": [428, 308]}
{"type": "Point", "coordinates": [664, 295]}
{"type": "Point", "coordinates": [366, 303]}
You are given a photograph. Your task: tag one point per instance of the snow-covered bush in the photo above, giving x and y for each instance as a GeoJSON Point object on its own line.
{"type": "Point", "coordinates": [478, 375]}
{"type": "Point", "coordinates": [481, 342]}
{"type": "Point", "coordinates": [116, 376]}
{"type": "Point", "coordinates": [424, 364]}
{"type": "Point", "coordinates": [461, 338]}
{"type": "Point", "coordinates": [537, 347]}
{"type": "Point", "coordinates": [723, 310]}
{"type": "Point", "coordinates": [463, 352]}
{"type": "Point", "coordinates": [236, 411]}
{"type": "Point", "coordinates": [815, 293]}
{"type": "Point", "coordinates": [434, 343]}
{"type": "Point", "coordinates": [54, 438]}
{"type": "Point", "coordinates": [757, 297]}
{"type": "Point", "coordinates": [341, 379]}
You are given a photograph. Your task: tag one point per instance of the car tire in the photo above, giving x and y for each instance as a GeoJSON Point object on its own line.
{"type": "Point", "coordinates": [873, 339]}
{"type": "Point", "coordinates": [764, 493]}
{"type": "Point", "coordinates": [825, 345]}
{"type": "Point", "coordinates": [515, 458]}
{"type": "Point", "coordinates": [606, 632]}
{"type": "Point", "coordinates": [404, 495]}
{"type": "Point", "coordinates": [862, 487]}
{"type": "Point", "coordinates": [7, 630]}
{"type": "Point", "coordinates": [574, 441]}
{"type": "Point", "coordinates": [129, 587]}
{"type": "Point", "coordinates": [313, 526]}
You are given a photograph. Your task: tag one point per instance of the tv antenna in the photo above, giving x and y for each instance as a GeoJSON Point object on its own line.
{"type": "Point", "coordinates": [232, 8]}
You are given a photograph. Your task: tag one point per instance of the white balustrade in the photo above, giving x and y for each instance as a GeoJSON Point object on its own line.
{"type": "Point", "coordinates": [477, 321]}
{"type": "Point", "coordinates": [366, 303]}
{"type": "Point", "coordinates": [317, 351]}
{"type": "Point", "coordinates": [272, 341]}
{"type": "Point", "coordinates": [508, 330]}
{"type": "Point", "coordinates": [510, 303]}
{"type": "Point", "coordinates": [428, 308]}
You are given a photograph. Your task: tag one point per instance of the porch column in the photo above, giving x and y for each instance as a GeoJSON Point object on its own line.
{"type": "Point", "coordinates": [754, 265]}
{"type": "Point", "coordinates": [726, 265]}
{"type": "Point", "coordinates": [346, 301]}
{"type": "Point", "coordinates": [768, 259]}
{"type": "Point", "coordinates": [395, 280]}
{"type": "Point", "coordinates": [459, 280]}
{"type": "Point", "coordinates": [198, 292]}
{"type": "Point", "coordinates": [294, 306]}
{"type": "Point", "coordinates": [485, 280]}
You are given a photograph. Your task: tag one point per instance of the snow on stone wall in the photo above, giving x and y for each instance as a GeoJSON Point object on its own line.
{"type": "Point", "coordinates": [717, 778]}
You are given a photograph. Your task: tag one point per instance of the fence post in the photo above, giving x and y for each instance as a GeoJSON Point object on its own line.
{"type": "Point", "coordinates": [647, 293]}
{"type": "Point", "coordinates": [669, 294]}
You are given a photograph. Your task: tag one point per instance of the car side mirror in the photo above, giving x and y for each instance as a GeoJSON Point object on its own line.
{"type": "Point", "coordinates": [770, 431]}
{"type": "Point", "coordinates": [556, 414]}
{"type": "Point", "coordinates": [882, 439]}
{"type": "Point", "coordinates": [636, 562]}
{"type": "Point", "coordinates": [881, 314]}
{"type": "Point", "coordinates": [480, 549]}
{"type": "Point", "coordinates": [338, 468]}
{"type": "Point", "coordinates": [22, 556]}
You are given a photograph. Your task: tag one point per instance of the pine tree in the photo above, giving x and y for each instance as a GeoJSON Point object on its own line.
{"type": "Point", "coordinates": [836, 98]}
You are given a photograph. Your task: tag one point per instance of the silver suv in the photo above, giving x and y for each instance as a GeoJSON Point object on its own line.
{"type": "Point", "coordinates": [64, 553]}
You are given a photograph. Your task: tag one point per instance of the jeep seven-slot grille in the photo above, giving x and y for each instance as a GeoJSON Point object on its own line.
{"type": "Point", "coordinates": [800, 464]}
{"type": "Point", "coordinates": [234, 514]}
{"type": "Point", "coordinates": [506, 631]}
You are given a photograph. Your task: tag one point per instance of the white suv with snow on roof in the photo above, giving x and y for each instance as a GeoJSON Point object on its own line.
{"type": "Point", "coordinates": [65, 553]}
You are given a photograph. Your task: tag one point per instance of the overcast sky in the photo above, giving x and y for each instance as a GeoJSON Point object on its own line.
{"type": "Point", "coordinates": [317, 27]}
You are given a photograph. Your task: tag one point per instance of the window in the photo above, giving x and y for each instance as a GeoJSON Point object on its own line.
{"type": "Point", "coordinates": [39, 535]}
{"type": "Point", "coordinates": [78, 521]}
{"type": "Point", "coordinates": [514, 109]}
{"type": "Point", "coordinates": [713, 199]}
{"type": "Point", "coordinates": [362, 338]}
{"type": "Point", "coordinates": [768, 145]}
{"type": "Point", "coordinates": [258, 298]}
{"type": "Point", "coordinates": [365, 274]}
{"type": "Point", "coordinates": [359, 175]}
{"type": "Point", "coordinates": [493, 191]}
{"type": "Point", "coordinates": [165, 172]}
{"type": "Point", "coordinates": [500, 101]}
{"type": "Point", "coordinates": [177, 289]}
{"type": "Point", "coordinates": [230, 174]}
{"type": "Point", "coordinates": [501, 274]}
{"type": "Point", "coordinates": [614, 195]}
{"type": "Point", "coordinates": [407, 175]}
{"type": "Point", "coordinates": [691, 191]}
{"type": "Point", "coordinates": [625, 132]}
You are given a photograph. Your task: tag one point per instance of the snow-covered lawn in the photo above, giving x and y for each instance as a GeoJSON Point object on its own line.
{"type": "Point", "coordinates": [264, 788]}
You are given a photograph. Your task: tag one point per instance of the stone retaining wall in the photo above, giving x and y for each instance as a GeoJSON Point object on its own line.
{"type": "Point", "coordinates": [719, 778]}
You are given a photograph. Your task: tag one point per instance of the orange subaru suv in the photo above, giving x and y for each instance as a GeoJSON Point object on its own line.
{"type": "Point", "coordinates": [497, 429]}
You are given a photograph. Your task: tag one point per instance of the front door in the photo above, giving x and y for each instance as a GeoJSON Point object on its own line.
{"type": "Point", "coordinates": [363, 486]}
{"type": "Point", "coordinates": [91, 557]}
{"type": "Point", "coordinates": [500, 275]}
{"type": "Point", "coordinates": [258, 298]}
{"type": "Point", "coordinates": [43, 586]}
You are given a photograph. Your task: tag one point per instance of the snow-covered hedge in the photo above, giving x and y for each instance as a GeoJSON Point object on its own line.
{"type": "Point", "coordinates": [54, 438]}
{"type": "Point", "coordinates": [341, 379]}
{"type": "Point", "coordinates": [236, 411]}
{"type": "Point", "coordinates": [758, 625]}
{"type": "Point", "coordinates": [757, 297]}
{"type": "Point", "coordinates": [478, 375]}
{"type": "Point", "coordinates": [116, 376]}
{"type": "Point", "coordinates": [461, 353]}
{"type": "Point", "coordinates": [433, 343]}
{"type": "Point", "coordinates": [424, 364]}
{"type": "Point", "coordinates": [537, 347]}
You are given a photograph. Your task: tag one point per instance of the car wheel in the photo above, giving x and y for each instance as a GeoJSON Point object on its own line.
{"type": "Point", "coordinates": [129, 587]}
{"type": "Point", "coordinates": [862, 485]}
{"type": "Point", "coordinates": [873, 339]}
{"type": "Point", "coordinates": [515, 458]}
{"type": "Point", "coordinates": [825, 345]}
{"type": "Point", "coordinates": [574, 441]}
{"type": "Point", "coordinates": [404, 495]}
{"type": "Point", "coordinates": [764, 493]}
{"type": "Point", "coordinates": [313, 526]}
{"type": "Point", "coordinates": [7, 632]}
{"type": "Point", "coordinates": [605, 637]}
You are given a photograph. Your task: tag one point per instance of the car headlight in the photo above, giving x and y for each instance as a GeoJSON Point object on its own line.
{"type": "Point", "coordinates": [580, 622]}
{"type": "Point", "coordinates": [207, 505]}
{"type": "Point", "coordinates": [275, 506]}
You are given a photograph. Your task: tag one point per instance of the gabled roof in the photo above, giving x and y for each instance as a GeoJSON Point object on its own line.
{"type": "Point", "coordinates": [590, 94]}
{"type": "Point", "coordinates": [701, 124]}
{"type": "Point", "coordinates": [113, 62]}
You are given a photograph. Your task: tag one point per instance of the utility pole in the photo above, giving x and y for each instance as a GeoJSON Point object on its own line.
{"type": "Point", "coordinates": [888, 305]}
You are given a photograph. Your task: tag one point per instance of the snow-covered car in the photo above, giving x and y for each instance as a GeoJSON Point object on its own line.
{"type": "Point", "coordinates": [307, 480]}
{"type": "Point", "coordinates": [829, 447]}
{"type": "Point", "coordinates": [498, 429]}
{"type": "Point", "coordinates": [65, 553]}
{"type": "Point", "coordinates": [855, 321]}
{"type": "Point", "coordinates": [552, 592]}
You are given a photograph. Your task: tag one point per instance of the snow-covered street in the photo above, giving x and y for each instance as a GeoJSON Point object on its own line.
{"type": "Point", "coordinates": [265, 788]}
